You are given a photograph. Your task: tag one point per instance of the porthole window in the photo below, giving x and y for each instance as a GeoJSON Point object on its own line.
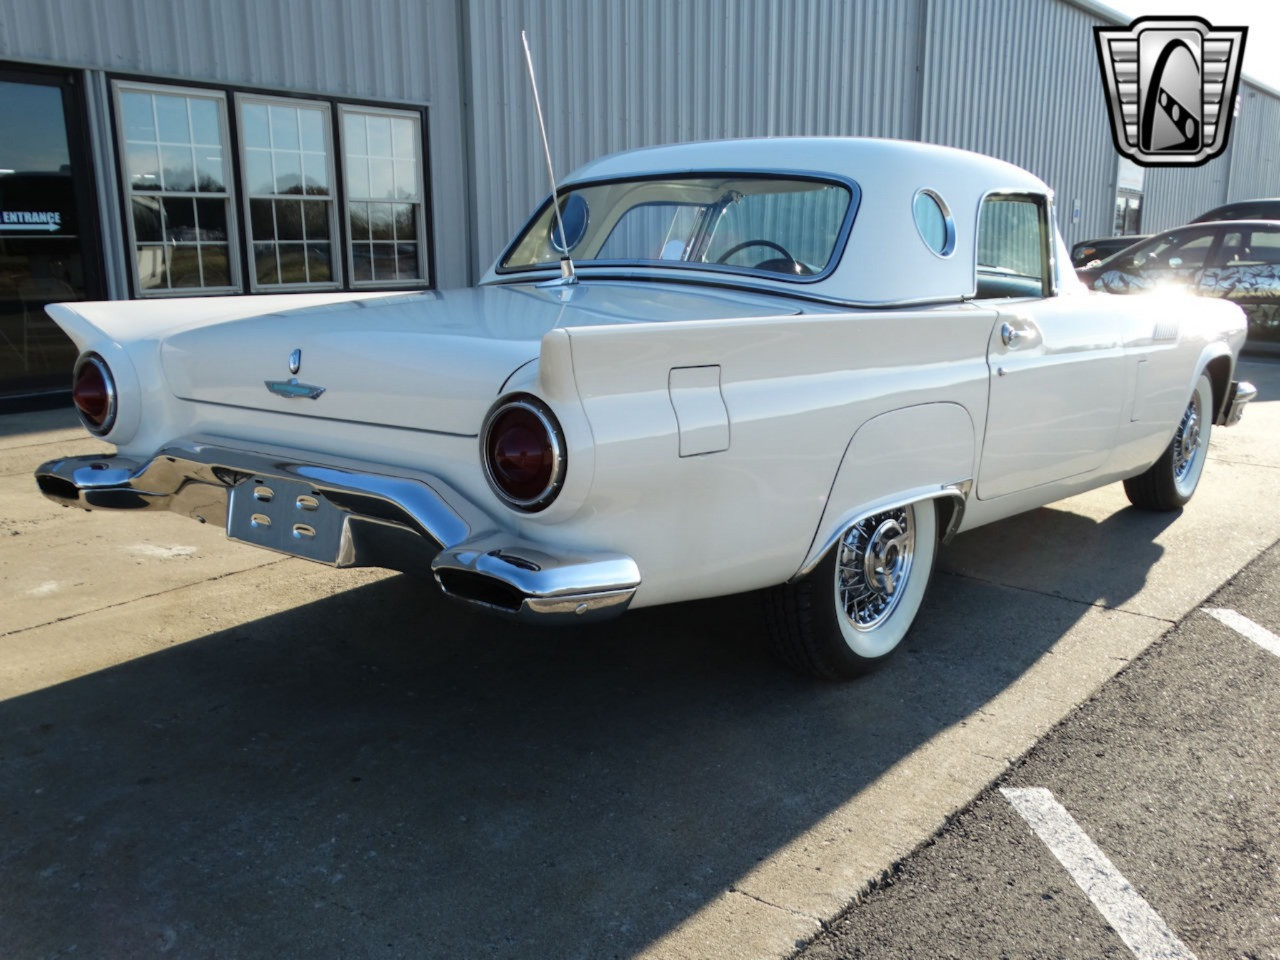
{"type": "Point", "coordinates": [933, 221]}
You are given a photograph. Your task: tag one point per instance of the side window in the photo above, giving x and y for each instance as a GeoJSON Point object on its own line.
{"type": "Point", "coordinates": [1263, 249]}
{"type": "Point", "coordinates": [1013, 248]}
{"type": "Point", "coordinates": [1176, 252]}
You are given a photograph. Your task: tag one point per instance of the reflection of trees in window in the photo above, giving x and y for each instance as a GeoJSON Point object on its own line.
{"type": "Point", "coordinates": [287, 164]}
{"type": "Point", "coordinates": [176, 181]}
{"type": "Point", "coordinates": [382, 153]}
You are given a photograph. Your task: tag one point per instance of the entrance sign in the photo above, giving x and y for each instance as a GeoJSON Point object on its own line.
{"type": "Point", "coordinates": [50, 220]}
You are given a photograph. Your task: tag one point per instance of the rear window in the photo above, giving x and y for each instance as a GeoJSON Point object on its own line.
{"type": "Point", "coordinates": [778, 226]}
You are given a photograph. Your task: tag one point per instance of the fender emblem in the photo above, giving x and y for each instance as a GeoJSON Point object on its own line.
{"type": "Point", "coordinates": [292, 389]}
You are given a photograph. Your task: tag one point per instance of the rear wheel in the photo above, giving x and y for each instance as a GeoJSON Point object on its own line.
{"type": "Point", "coordinates": [851, 612]}
{"type": "Point", "coordinates": [1169, 483]}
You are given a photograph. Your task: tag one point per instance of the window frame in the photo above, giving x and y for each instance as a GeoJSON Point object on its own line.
{"type": "Point", "coordinates": [238, 232]}
{"type": "Point", "coordinates": [336, 239]}
{"type": "Point", "coordinates": [121, 85]}
{"type": "Point", "coordinates": [1048, 262]}
{"type": "Point", "coordinates": [605, 267]}
{"type": "Point", "coordinates": [426, 265]}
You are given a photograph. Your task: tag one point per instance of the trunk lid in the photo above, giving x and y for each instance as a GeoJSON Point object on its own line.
{"type": "Point", "coordinates": [426, 361]}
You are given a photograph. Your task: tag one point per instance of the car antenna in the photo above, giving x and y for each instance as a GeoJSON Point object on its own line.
{"type": "Point", "coordinates": [567, 274]}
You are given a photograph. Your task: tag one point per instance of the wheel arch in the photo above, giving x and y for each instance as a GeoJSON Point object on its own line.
{"type": "Point", "coordinates": [903, 456]}
{"type": "Point", "coordinates": [1219, 369]}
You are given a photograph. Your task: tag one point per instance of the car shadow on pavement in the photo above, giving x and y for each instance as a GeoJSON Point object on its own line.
{"type": "Point", "coordinates": [382, 773]}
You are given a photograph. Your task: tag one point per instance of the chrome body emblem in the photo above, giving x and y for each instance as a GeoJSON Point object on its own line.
{"type": "Point", "coordinates": [1171, 88]}
{"type": "Point", "coordinates": [295, 361]}
{"type": "Point", "coordinates": [292, 389]}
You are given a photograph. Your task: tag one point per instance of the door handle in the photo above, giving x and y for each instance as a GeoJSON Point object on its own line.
{"type": "Point", "coordinates": [1010, 335]}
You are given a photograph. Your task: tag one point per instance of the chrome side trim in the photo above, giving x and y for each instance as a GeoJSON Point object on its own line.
{"type": "Point", "coordinates": [958, 491]}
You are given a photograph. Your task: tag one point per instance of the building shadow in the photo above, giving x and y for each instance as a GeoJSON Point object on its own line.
{"type": "Point", "coordinates": [382, 773]}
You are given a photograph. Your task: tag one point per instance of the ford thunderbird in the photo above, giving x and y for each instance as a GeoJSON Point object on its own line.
{"type": "Point", "coordinates": [784, 365]}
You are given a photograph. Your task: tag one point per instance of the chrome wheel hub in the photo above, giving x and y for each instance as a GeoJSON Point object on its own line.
{"type": "Point", "coordinates": [873, 565]}
{"type": "Point", "coordinates": [1187, 440]}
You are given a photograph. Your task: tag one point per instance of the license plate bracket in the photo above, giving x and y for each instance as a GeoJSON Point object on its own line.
{"type": "Point", "coordinates": [288, 516]}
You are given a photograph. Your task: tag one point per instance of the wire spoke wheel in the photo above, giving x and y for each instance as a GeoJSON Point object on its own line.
{"type": "Point", "coordinates": [1186, 442]}
{"type": "Point", "coordinates": [872, 567]}
{"type": "Point", "coordinates": [851, 611]}
{"type": "Point", "coordinates": [1169, 482]}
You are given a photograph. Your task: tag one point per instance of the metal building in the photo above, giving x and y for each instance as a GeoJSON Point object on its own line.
{"type": "Point", "coordinates": [166, 148]}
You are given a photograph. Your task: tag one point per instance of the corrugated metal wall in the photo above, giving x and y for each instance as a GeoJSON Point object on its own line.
{"type": "Point", "coordinates": [1014, 79]}
{"type": "Point", "coordinates": [1255, 146]}
{"type": "Point", "coordinates": [631, 73]}
{"type": "Point", "coordinates": [1020, 81]}
{"type": "Point", "coordinates": [404, 51]}
{"type": "Point", "coordinates": [1249, 168]}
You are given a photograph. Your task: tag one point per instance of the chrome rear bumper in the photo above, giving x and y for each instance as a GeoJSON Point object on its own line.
{"type": "Point", "coordinates": [412, 522]}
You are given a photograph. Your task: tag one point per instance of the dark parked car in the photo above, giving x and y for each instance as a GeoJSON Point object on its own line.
{"type": "Point", "coordinates": [1266, 209]}
{"type": "Point", "coordinates": [1086, 251]}
{"type": "Point", "coordinates": [1238, 260]}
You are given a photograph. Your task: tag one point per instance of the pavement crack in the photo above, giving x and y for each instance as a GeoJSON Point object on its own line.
{"type": "Point", "coordinates": [148, 596]}
{"type": "Point", "coordinates": [1056, 596]}
{"type": "Point", "coordinates": [762, 901]}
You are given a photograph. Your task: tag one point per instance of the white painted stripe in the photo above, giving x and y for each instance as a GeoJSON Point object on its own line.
{"type": "Point", "coordinates": [1138, 925]}
{"type": "Point", "coordinates": [1242, 625]}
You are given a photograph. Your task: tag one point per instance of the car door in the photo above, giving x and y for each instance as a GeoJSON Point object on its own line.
{"type": "Point", "coordinates": [1246, 271]}
{"type": "Point", "coordinates": [1056, 368]}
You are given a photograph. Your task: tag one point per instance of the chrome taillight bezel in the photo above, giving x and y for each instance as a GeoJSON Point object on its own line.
{"type": "Point", "coordinates": [555, 440]}
{"type": "Point", "coordinates": [109, 384]}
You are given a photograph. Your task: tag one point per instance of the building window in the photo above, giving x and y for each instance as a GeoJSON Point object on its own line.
{"type": "Point", "coordinates": [278, 220]}
{"type": "Point", "coordinates": [382, 153]}
{"type": "Point", "coordinates": [288, 189]}
{"type": "Point", "coordinates": [181, 225]}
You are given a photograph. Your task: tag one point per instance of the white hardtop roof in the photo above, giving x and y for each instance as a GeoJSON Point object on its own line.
{"type": "Point", "coordinates": [857, 158]}
{"type": "Point", "coordinates": [885, 260]}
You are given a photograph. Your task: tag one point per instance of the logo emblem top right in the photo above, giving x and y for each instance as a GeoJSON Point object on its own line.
{"type": "Point", "coordinates": [1171, 87]}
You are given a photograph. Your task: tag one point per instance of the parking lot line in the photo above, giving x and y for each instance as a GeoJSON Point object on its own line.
{"type": "Point", "coordinates": [1242, 625]}
{"type": "Point", "coordinates": [1129, 914]}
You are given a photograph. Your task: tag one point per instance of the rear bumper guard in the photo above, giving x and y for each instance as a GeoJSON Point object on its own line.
{"type": "Point", "coordinates": [415, 523]}
{"type": "Point", "coordinates": [1238, 396]}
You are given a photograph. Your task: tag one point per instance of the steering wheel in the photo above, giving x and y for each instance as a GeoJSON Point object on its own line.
{"type": "Point", "coordinates": [789, 265]}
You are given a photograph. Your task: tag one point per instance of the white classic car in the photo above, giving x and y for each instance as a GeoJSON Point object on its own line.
{"type": "Point", "coordinates": [789, 365]}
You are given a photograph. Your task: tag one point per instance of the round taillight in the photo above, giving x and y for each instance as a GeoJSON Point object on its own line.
{"type": "Point", "coordinates": [523, 453]}
{"type": "Point", "coordinates": [93, 391]}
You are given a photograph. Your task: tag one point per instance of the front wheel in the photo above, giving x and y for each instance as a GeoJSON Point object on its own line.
{"type": "Point", "coordinates": [851, 612]}
{"type": "Point", "coordinates": [1169, 483]}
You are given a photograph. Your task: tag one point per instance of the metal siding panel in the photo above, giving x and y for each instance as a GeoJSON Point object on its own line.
{"type": "Point", "coordinates": [1001, 78]}
{"type": "Point", "coordinates": [393, 51]}
{"type": "Point", "coordinates": [618, 75]}
{"type": "Point", "coordinates": [373, 50]}
{"type": "Point", "coordinates": [1255, 146]}
{"type": "Point", "coordinates": [1174, 195]}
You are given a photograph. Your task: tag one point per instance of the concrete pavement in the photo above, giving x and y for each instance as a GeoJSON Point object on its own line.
{"type": "Point", "coordinates": [211, 751]}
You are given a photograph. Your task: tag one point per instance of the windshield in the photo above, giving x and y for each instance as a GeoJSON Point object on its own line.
{"type": "Point", "coordinates": [772, 225]}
